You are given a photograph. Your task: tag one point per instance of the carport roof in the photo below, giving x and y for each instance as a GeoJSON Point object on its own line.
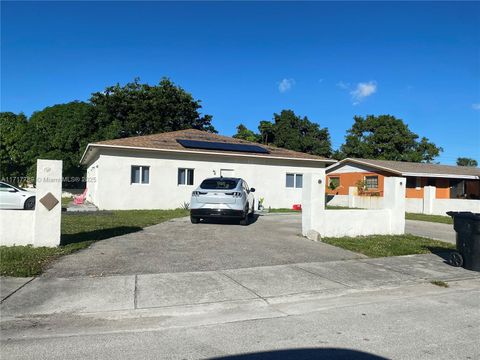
{"type": "Point", "coordinates": [404, 168]}
{"type": "Point", "coordinates": [168, 142]}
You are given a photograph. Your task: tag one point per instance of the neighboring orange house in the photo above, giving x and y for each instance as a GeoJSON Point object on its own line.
{"type": "Point", "coordinates": [452, 182]}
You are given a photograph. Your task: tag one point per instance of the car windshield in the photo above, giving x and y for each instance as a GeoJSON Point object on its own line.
{"type": "Point", "coordinates": [219, 184]}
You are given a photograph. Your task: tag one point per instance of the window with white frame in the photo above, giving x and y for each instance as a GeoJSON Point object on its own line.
{"type": "Point", "coordinates": [294, 181]}
{"type": "Point", "coordinates": [371, 182]}
{"type": "Point", "coordinates": [185, 176]}
{"type": "Point", "coordinates": [140, 175]}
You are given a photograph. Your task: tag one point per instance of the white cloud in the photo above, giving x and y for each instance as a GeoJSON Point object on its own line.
{"type": "Point", "coordinates": [476, 106]}
{"type": "Point", "coordinates": [285, 85]}
{"type": "Point", "coordinates": [362, 91]}
{"type": "Point", "coordinates": [342, 85]}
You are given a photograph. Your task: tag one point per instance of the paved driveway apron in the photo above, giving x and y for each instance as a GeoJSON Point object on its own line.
{"type": "Point", "coordinates": [179, 246]}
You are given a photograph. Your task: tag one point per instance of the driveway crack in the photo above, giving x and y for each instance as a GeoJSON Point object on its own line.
{"type": "Point", "coordinates": [246, 288]}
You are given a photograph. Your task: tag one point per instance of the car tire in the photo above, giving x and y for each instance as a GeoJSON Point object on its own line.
{"type": "Point", "coordinates": [29, 203]}
{"type": "Point", "coordinates": [253, 210]}
{"type": "Point", "coordinates": [194, 219]}
{"type": "Point", "coordinates": [245, 219]}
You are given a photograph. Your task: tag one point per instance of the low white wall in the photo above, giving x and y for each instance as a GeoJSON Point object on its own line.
{"type": "Point", "coordinates": [319, 222]}
{"type": "Point", "coordinates": [338, 223]}
{"type": "Point", "coordinates": [337, 200]}
{"type": "Point", "coordinates": [441, 206]}
{"type": "Point", "coordinates": [427, 205]}
{"type": "Point", "coordinates": [367, 202]}
{"type": "Point", "coordinates": [414, 205]}
{"type": "Point", "coordinates": [16, 227]}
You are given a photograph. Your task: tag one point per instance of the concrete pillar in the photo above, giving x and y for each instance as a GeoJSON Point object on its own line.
{"type": "Point", "coordinates": [48, 207]}
{"type": "Point", "coordinates": [352, 192]}
{"type": "Point", "coordinates": [394, 200]}
{"type": "Point", "coordinates": [313, 203]}
{"type": "Point", "coordinates": [429, 193]}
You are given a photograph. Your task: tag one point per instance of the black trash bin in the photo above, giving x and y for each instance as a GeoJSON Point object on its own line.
{"type": "Point", "coordinates": [467, 226]}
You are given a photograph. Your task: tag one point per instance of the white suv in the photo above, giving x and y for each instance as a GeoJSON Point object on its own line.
{"type": "Point", "coordinates": [222, 197]}
{"type": "Point", "coordinates": [14, 197]}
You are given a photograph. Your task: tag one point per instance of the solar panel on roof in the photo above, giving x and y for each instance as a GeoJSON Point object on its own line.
{"type": "Point", "coordinates": [210, 145]}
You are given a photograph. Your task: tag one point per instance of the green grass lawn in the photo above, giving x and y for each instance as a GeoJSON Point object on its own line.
{"type": "Point", "coordinates": [431, 218]}
{"type": "Point", "coordinates": [79, 230]}
{"type": "Point", "coordinates": [283, 210]}
{"type": "Point", "coordinates": [390, 245]}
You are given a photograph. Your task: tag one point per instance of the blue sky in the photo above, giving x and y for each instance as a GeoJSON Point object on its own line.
{"type": "Point", "coordinates": [329, 61]}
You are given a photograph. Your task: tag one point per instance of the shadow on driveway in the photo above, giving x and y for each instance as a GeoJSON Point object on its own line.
{"type": "Point", "coordinates": [100, 234]}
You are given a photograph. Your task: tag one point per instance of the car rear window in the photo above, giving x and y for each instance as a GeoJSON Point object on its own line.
{"type": "Point", "coordinates": [219, 184]}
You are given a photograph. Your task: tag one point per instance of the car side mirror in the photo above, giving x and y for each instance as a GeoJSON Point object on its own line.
{"type": "Point", "coordinates": [252, 190]}
{"type": "Point", "coordinates": [12, 190]}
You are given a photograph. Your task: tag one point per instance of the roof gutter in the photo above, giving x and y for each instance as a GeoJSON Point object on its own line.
{"type": "Point", "coordinates": [92, 146]}
{"type": "Point", "coordinates": [449, 176]}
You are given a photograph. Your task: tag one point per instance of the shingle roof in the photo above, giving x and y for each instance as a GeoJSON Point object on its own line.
{"type": "Point", "coordinates": [168, 141]}
{"type": "Point", "coordinates": [415, 168]}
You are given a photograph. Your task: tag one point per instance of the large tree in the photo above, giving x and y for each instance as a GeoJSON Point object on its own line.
{"type": "Point", "coordinates": [13, 145]}
{"type": "Point", "coordinates": [300, 134]}
{"type": "Point", "coordinates": [246, 134]}
{"type": "Point", "coordinates": [388, 138]}
{"type": "Point", "coordinates": [142, 109]}
{"type": "Point", "coordinates": [267, 132]}
{"type": "Point", "coordinates": [463, 161]}
{"type": "Point", "coordinates": [291, 132]}
{"type": "Point", "coordinates": [61, 132]}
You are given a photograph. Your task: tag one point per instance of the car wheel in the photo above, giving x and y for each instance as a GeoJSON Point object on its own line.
{"type": "Point", "coordinates": [194, 219]}
{"type": "Point", "coordinates": [29, 203]}
{"type": "Point", "coordinates": [253, 210]}
{"type": "Point", "coordinates": [244, 221]}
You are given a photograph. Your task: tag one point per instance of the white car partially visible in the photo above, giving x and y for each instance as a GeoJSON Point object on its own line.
{"type": "Point", "coordinates": [14, 197]}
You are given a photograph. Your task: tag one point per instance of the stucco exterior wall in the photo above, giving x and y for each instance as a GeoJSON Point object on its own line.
{"type": "Point", "coordinates": [414, 205]}
{"type": "Point", "coordinates": [442, 206]}
{"type": "Point", "coordinates": [112, 188]}
{"type": "Point", "coordinates": [350, 175]}
{"type": "Point", "coordinates": [16, 227]}
{"type": "Point", "coordinates": [337, 200]}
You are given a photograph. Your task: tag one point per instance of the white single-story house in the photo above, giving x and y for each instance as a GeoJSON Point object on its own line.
{"type": "Point", "coordinates": [160, 171]}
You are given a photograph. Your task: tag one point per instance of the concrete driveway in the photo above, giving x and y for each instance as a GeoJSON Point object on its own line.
{"type": "Point", "coordinates": [179, 246]}
{"type": "Point", "coordinates": [437, 231]}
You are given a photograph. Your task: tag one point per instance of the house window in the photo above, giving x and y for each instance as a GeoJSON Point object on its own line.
{"type": "Point", "coordinates": [294, 181]}
{"type": "Point", "coordinates": [371, 182]}
{"type": "Point", "coordinates": [185, 176]}
{"type": "Point", "coordinates": [140, 175]}
{"type": "Point", "coordinates": [333, 182]}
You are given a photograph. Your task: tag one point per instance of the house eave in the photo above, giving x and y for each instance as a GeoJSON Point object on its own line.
{"type": "Point", "coordinates": [359, 162]}
{"type": "Point", "coordinates": [447, 176]}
